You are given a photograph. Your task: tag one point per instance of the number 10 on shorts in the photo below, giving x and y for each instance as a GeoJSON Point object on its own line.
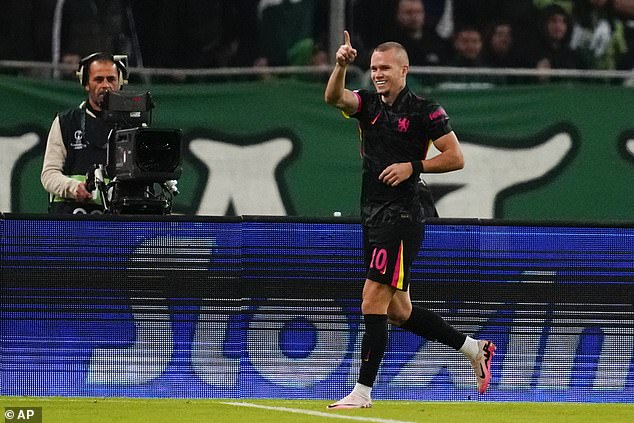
{"type": "Point", "coordinates": [379, 260]}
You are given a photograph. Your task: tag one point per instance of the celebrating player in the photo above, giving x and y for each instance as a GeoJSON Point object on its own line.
{"type": "Point", "coordinates": [396, 129]}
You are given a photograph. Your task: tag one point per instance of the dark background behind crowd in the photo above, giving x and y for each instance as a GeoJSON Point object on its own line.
{"type": "Point", "coordinates": [581, 34]}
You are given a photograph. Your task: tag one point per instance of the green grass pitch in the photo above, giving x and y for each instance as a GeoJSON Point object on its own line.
{"type": "Point", "coordinates": [130, 410]}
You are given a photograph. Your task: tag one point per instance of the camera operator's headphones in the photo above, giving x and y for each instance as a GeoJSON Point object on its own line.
{"type": "Point", "coordinates": [120, 61]}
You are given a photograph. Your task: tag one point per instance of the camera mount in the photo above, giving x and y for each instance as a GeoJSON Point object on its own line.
{"type": "Point", "coordinates": [143, 163]}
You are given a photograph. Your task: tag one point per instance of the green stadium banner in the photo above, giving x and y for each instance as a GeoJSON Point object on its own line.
{"type": "Point", "coordinates": [273, 147]}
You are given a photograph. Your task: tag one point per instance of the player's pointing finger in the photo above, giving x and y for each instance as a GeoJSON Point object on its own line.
{"type": "Point", "coordinates": [346, 38]}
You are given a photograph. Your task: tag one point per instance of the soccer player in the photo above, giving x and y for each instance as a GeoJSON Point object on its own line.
{"type": "Point", "coordinates": [396, 128]}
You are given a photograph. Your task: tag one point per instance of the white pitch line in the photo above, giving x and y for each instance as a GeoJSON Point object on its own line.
{"type": "Point", "coordinates": [315, 413]}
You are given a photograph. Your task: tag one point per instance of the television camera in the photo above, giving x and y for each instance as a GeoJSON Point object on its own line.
{"type": "Point", "coordinates": [143, 163]}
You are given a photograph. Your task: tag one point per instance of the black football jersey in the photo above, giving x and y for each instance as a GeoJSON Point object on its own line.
{"type": "Point", "coordinates": [398, 133]}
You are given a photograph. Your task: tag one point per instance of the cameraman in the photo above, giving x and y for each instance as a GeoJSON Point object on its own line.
{"type": "Point", "coordinates": [78, 138]}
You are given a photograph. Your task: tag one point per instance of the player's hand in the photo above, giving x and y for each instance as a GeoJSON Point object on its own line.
{"type": "Point", "coordinates": [346, 53]}
{"type": "Point", "coordinates": [81, 193]}
{"type": "Point", "coordinates": [396, 173]}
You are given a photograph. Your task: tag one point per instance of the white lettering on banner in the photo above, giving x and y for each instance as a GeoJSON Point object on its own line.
{"type": "Point", "coordinates": [241, 175]}
{"type": "Point", "coordinates": [520, 359]}
{"type": "Point", "coordinates": [613, 366]}
{"type": "Point", "coordinates": [559, 355]}
{"type": "Point", "coordinates": [12, 149]}
{"type": "Point", "coordinates": [146, 359]}
{"type": "Point", "coordinates": [151, 352]}
{"type": "Point", "coordinates": [355, 360]}
{"type": "Point", "coordinates": [481, 184]}
{"type": "Point", "coordinates": [616, 355]}
{"type": "Point", "coordinates": [219, 364]}
{"type": "Point", "coordinates": [170, 252]}
{"type": "Point", "coordinates": [208, 349]}
{"type": "Point", "coordinates": [267, 357]}
{"type": "Point", "coordinates": [525, 334]}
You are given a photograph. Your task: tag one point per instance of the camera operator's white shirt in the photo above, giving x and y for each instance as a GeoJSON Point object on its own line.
{"type": "Point", "coordinates": [52, 176]}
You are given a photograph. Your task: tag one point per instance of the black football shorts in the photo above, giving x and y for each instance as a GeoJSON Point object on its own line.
{"type": "Point", "coordinates": [389, 250]}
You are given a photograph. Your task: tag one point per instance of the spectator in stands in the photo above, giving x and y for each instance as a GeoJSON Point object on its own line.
{"type": "Point", "coordinates": [553, 50]}
{"type": "Point", "coordinates": [158, 24]}
{"type": "Point", "coordinates": [281, 26]}
{"type": "Point", "coordinates": [480, 13]}
{"type": "Point", "coordinates": [499, 46]}
{"type": "Point", "coordinates": [467, 47]}
{"type": "Point", "coordinates": [627, 61]}
{"type": "Point", "coordinates": [25, 33]}
{"type": "Point", "coordinates": [370, 27]}
{"type": "Point", "coordinates": [42, 28]}
{"type": "Point", "coordinates": [424, 47]}
{"type": "Point", "coordinates": [306, 53]}
{"type": "Point", "coordinates": [520, 14]}
{"type": "Point", "coordinates": [597, 34]}
{"type": "Point", "coordinates": [621, 8]}
{"type": "Point", "coordinates": [624, 11]}
{"type": "Point", "coordinates": [86, 26]}
{"type": "Point", "coordinates": [196, 33]}
{"type": "Point", "coordinates": [94, 25]}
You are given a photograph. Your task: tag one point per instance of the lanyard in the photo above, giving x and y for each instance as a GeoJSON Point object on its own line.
{"type": "Point", "coordinates": [82, 126]}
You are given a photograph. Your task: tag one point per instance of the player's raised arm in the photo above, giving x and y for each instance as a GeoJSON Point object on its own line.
{"type": "Point", "coordinates": [336, 93]}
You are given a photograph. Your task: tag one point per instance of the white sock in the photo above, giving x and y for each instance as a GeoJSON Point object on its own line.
{"type": "Point", "coordinates": [470, 348]}
{"type": "Point", "coordinates": [362, 390]}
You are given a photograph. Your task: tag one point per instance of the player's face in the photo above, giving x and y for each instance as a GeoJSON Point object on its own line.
{"type": "Point", "coordinates": [103, 76]}
{"type": "Point", "coordinates": [388, 70]}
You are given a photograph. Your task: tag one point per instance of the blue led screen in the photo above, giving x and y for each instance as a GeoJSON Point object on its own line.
{"type": "Point", "coordinates": [265, 307]}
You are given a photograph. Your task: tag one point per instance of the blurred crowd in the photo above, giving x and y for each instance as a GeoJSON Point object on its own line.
{"type": "Point", "coordinates": [576, 34]}
{"type": "Point", "coordinates": [573, 34]}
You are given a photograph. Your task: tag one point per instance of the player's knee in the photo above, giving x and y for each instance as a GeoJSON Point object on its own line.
{"type": "Point", "coordinates": [373, 307]}
{"type": "Point", "coordinates": [397, 317]}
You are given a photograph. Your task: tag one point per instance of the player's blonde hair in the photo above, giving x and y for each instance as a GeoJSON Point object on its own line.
{"type": "Point", "coordinates": [393, 45]}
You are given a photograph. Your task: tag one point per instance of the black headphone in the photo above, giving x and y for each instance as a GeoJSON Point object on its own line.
{"type": "Point", "coordinates": [120, 61]}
